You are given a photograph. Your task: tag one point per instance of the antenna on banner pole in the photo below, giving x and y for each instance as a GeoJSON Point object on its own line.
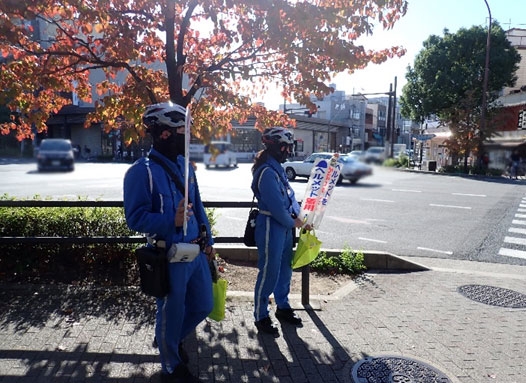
{"type": "Point", "coordinates": [188, 123]}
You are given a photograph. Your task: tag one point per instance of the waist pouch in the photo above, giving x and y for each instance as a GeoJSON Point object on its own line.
{"type": "Point", "coordinates": [153, 271]}
{"type": "Point", "coordinates": [183, 252]}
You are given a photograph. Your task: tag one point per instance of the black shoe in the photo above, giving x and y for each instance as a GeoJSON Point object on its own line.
{"type": "Point", "coordinates": [265, 325]}
{"type": "Point", "coordinates": [183, 354]}
{"type": "Point", "coordinates": [288, 315]}
{"type": "Point", "coordinates": [181, 374]}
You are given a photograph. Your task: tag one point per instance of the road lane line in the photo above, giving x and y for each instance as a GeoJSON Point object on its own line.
{"type": "Point", "coordinates": [512, 253]}
{"type": "Point", "coordinates": [348, 220]}
{"type": "Point", "coordinates": [407, 190]}
{"type": "Point", "coordinates": [435, 250]}
{"type": "Point", "coordinates": [517, 222]}
{"type": "Point", "coordinates": [371, 240]}
{"type": "Point", "coordinates": [470, 195]}
{"type": "Point", "coordinates": [517, 230]}
{"type": "Point", "coordinates": [450, 206]}
{"type": "Point", "coordinates": [515, 240]}
{"type": "Point", "coordinates": [376, 200]}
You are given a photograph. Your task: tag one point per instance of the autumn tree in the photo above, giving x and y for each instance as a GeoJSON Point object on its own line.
{"type": "Point", "coordinates": [447, 81]}
{"type": "Point", "coordinates": [215, 55]}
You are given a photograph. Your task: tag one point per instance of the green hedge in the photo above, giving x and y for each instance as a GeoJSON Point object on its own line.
{"type": "Point", "coordinates": [67, 263]}
{"type": "Point", "coordinates": [101, 263]}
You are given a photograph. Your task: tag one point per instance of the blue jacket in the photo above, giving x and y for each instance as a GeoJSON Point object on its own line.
{"type": "Point", "coordinates": [151, 199]}
{"type": "Point", "coordinates": [274, 194]}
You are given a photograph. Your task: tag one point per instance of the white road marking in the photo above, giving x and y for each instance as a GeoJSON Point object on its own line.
{"type": "Point", "coordinates": [522, 205]}
{"type": "Point", "coordinates": [348, 220]}
{"type": "Point", "coordinates": [376, 200]}
{"type": "Point", "coordinates": [470, 195]}
{"type": "Point", "coordinates": [451, 206]}
{"type": "Point", "coordinates": [371, 240]}
{"type": "Point", "coordinates": [520, 215]}
{"type": "Point", "coordinates": [407, 190]}
{"type": "Point", "coordinates": [517, 222]}
{"type": "Point", "coordinates": [517, 230]}
{"type": "Point", "coordinates": [512, 253]}
{"type": "Point", "coordinates": [435, 250]}
{"type": "Point", "coordinates": [521, 210]}
{"type": "Point", "coordinates": [515, 240]}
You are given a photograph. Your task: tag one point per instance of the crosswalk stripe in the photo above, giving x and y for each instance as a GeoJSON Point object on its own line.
{"type": "Point", "coordinates": [512, 253]}
{"type": "Point", "coordinates": [520, 215]}
{"type": "Point", "coordinates": [517, 230]}
{"type": "Point", "coordinates": [515, 240]}
{"type": "Point", "coordinates": [521, 210]}
{"type": "Point", "coordinates": [517, 222]}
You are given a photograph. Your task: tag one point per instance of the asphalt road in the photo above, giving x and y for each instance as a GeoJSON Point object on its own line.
{"type": "Point", "coordinates": [405, 213]}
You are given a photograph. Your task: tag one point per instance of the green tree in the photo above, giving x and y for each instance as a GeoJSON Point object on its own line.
{"type": "Point", "coordinates": [447, 81]}
{"type": "Point", "coordinates": [228, 50]}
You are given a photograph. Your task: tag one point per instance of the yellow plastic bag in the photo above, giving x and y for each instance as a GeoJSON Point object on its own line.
{"type": "Point", "coordinates": [307, 250]}
{"type": "Point", "coordinates": [219, 292]}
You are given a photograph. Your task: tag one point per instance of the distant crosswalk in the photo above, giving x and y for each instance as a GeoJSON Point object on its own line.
{"type": "Point", "coordinates": [515, 241]}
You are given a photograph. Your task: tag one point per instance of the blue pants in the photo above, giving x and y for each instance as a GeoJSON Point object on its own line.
{"type": "Point", "coordinates": [188, 304]}
{"type": "Point", "coordinates": [274, 243]}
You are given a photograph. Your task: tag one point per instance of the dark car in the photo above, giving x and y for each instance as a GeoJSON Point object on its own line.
{"type": "Point", "coordinates": [55, 153]}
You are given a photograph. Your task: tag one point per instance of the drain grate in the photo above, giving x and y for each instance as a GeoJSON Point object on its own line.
{"type": "Point", "coordinates": [395, 369]}
{"type": "Point", "coordinates": [494, 296]}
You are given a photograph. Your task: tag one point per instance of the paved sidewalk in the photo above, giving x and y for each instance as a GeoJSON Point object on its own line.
{"type": "Point", "coordinates": [389, 327]}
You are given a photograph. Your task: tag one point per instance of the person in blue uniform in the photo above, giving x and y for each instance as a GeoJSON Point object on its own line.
{"type": "Point", "coordinates": [154, 204]}
{"type": "Point", "coordinates": [274, 230]}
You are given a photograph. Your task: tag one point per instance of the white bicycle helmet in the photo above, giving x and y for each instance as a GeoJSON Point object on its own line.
{"type": "Point", "coordinates": [164, 114]}
{"type": "Point", "coordinates": [277, 136]}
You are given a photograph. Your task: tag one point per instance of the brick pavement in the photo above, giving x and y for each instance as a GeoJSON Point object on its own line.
{"type": "Point", "coordinates": [53, 334]}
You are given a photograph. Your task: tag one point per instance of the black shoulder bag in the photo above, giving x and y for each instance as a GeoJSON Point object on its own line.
{"type": "Point", "coordinates": [153, 261]}
{"type": "Point", "coordinates": [249, 238]}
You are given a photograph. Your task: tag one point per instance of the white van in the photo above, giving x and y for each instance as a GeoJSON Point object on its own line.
{"type": "Point", "coordinates": [219, 153]}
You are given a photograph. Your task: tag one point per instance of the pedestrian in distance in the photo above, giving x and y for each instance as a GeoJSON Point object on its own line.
{"type": "Point", "coordinates": [154, 204]}
{"type": "Point", "coordinates": [275, 224]}
{"type": "Point", "coordinates": [514, 164]}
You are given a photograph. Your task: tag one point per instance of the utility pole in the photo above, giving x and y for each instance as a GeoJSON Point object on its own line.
{"type": "Point", "coordinates": [388, 132]}
{"type": "Point", "coordinates": [485, 88]}
{"type": "Point", "coordinates": [393, 122]}
{"type": "Point", "coordinates": [391, 116]}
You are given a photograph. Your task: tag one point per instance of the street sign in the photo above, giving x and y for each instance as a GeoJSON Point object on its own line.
{"type": "Point", "coordinates": [424, 137]}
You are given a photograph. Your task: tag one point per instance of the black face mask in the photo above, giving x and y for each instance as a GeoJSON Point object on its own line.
{"type": "Point", "coordinates": [280, 155]}
{"type": "Point", "coordinates": [170, 147]}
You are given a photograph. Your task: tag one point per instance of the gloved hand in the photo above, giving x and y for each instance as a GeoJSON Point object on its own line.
{"type": "Point", "coordinates": [179, 213]}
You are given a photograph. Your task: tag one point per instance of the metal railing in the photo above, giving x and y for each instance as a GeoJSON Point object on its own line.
{"type": "Point", "coordinates": [305, 271]}
{"type": "Point", "coordinates": [101, 239]}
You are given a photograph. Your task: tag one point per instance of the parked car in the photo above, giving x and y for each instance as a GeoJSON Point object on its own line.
{"type": "Point", "coordinates": [352, 169]}
{"type": "Point", "coordinates": [375, 155]}
{"type": "Point", "coordinates": [55, 153]}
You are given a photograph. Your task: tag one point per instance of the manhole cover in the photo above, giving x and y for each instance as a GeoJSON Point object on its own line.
{"type": "Point", "coordinates": [393, 369]}
{"type": "Point", "coordinates": [494, 296]}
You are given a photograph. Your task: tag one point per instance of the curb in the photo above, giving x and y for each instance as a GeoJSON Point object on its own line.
{"type": "Point", "coordinates": [373, 260]}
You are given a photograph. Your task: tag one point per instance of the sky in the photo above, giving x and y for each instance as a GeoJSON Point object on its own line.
{"type": "Point", "coordinates": [423, 18]}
